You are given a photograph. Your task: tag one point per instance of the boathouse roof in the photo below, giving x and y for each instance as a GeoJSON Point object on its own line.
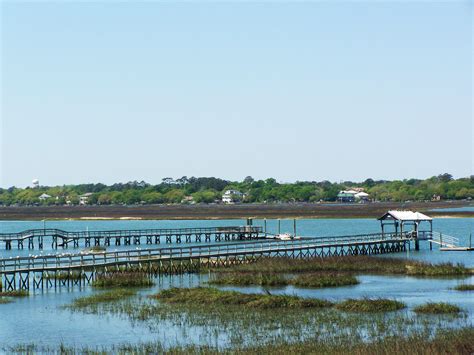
{"type": "Point", "coordinates": [405, 216]}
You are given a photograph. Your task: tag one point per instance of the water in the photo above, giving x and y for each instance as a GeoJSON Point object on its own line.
{"type": "Point", "coordinates": [456, 227]}
{"type": "Point", "coordinates": [40, 318]}
{"type": "Point", "coordinates": [455, 209]}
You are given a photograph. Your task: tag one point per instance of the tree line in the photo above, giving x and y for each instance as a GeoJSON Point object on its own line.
{"type": "Point", "coordinates": [210, 190]}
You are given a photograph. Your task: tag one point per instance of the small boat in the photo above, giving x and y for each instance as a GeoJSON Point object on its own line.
{"type": "Point", "coordinates": [284, 236]}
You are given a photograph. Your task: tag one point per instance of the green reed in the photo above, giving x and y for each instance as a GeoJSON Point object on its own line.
{"type": "Point", "coordinates": [438, 308]}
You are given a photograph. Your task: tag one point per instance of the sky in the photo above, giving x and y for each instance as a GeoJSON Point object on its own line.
{"type": "Point", "coordinates": [119, 91]}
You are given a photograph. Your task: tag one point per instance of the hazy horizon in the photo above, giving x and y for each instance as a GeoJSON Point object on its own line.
{"type": "Point", "coordinates": [115, 92]}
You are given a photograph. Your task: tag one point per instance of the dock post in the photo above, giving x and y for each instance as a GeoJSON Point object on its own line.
{"type": "Point", "coordinates": [294, 228]}
{"type": "Point", "coordinates": [279, 226]}
{"type": "Point", "coordinates": [470, 240]}
{"type": "Point", "coordinates": [265, 226]}
{"type": "Point", "coordinates": [417, 241]}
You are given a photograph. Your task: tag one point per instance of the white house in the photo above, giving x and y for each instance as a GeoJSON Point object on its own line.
{"type": "Point", "coordinates": [44, 197]}
{"type": "Point", "coordinates": [83, 199]}
{"type": "Point", "coordinates": [352, 196]}
{"type": "Point", "coordinates": [231, 196]}
{"type": "Point", "coordinates": [362, 196]}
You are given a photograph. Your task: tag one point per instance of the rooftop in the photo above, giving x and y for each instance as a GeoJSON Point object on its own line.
{"type": "Point", "coordinates": [405, 216]}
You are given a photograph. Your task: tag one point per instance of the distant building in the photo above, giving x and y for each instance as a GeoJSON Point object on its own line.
{"type": "Point", "coordinates": [84, 199]}
{"type": "Point", "coordinates": [362, 196]}
{"type": "Point", "coordinates": [352, 196]}
{"type": "Point", "coordinates": [44, 197]}
{"type": "Point", "coordinates": [188, 200]}
{"type": "Point", "coordinates": [232, 196]}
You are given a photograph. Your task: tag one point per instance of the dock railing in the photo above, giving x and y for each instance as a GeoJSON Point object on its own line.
{"type": "Point", "coordinates": [125, 233]}
{"type": "Point", "coordinates": [71, 261]}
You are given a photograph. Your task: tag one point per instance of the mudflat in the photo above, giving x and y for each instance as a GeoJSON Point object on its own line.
{"type": "Point", "coordinates": [237, 211]}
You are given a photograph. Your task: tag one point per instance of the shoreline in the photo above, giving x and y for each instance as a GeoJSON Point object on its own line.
{"type": "Point", "coordinates": [220, 212]}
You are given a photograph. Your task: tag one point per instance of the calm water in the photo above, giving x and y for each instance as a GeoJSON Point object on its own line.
{"type": "Point", "coordinates": [456, 227]}
{"type": "Point", "coordinates": [455, 209]}
{"type": "Point", "coordinates": [41, 320]}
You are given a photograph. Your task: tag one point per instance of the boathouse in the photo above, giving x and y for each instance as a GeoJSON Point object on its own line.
{"type": "Point", "coordinates": [401, 219]}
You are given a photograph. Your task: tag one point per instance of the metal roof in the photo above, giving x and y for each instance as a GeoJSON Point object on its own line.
{"type": "Point", "coordinates": [405, 216]}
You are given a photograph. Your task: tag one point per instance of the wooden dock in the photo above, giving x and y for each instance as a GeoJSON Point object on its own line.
{"type": "Point", "coordinates": [61, 238]}
{"type": "Point", "coordinates": [66, 269]}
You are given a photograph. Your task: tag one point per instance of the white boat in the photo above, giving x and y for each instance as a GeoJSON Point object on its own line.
{"type": "Point", "coordinates": [284, 236]}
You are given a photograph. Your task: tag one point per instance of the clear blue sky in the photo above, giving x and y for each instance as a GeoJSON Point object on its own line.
{"type": "Point", "coordinates": [109, 92]}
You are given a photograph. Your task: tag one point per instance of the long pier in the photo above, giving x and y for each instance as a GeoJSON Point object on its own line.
{"type": "Point", "coordinates": [45, 271]}
{"type": "Point", "coordinates": [125, 237]}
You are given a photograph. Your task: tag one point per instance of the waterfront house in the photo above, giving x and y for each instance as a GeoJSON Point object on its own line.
{"type": "Point", "coordinates": [232, 196]}
{"type": "Point", "coordinates": [346, 195]}
{"type": "Point", "coordinates": [188, 200]}
{"type": "Point", "coordinates": [84, 199]}
{"type": "Point", "coordinates": [352, 196]}
{"type": "Point", "coordinates": [44, 197]}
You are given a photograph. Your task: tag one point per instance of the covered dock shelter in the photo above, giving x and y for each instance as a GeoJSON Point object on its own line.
{"type": "Point", "coordinates": [401, 219]}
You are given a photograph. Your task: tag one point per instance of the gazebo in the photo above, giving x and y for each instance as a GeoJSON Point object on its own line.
{"type": "Point", "coordinates": [399, 219]}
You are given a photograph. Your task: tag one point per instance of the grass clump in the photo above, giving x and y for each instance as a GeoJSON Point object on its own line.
{"type": "Point", "coordinates": [312, 280]}
{"type": "Point", "coordinates": [122, 280]}
{"type": "Point", "coordinates": [444, 269]}
{"type": "Point", "coordinates": [15, 293]}
{"type": "Point", "coordinates": [62, 275]}
{"type": "Point", "coordinates": [104, 297]}
{"type": "Point", "coordinates": [438, 308]}
{"type": "Point", "coordinates": [246, 279]}
{"type": "Point", "coordinates": [348, 264]}
{"type": "Point", "coordinates": [367, 305]}
{"type": "Point", "coordinates": [214, 297]}
{"type": "Point", "coordinates": [464, 287]}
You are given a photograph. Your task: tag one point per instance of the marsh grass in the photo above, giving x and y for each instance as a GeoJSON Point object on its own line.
{"type": "Point", "coordinates": [215, 297]}
{"type": "Point", "coordinates": [64, 276]}
{"type": "Point", "coordinates": [5, 300]}
{"type": "Point", "coordinates": [458, 341]}
{"type": "Point", "coordinates": [437, 308]}
{"type": "Point", "coordinates": [241, 323]}
{"type": "Point", "coordinates": [247, 279]}
{"type": "Point", "coordinates": [319, 280]}
{"type": "Point", "coordinates": [464, 287]}
{"type": "Point", "coordinates": [15, 293]}
{"type": "Point", "coordinates": [123, 280]}
{"type": "Point", "coordinates": [103, 297]}
{"type": "Point", "coordinates": [309, 280]}
{"type": "Point", "coordinates": [367, 305]}
{"type": "Point", "coordinates": [348, 264]}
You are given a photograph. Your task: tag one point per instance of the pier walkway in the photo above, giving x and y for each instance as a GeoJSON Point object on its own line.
{"type": "Point", "coordinates": [43, 271]}
{"type": "Point", "coordinates": [63, 238]}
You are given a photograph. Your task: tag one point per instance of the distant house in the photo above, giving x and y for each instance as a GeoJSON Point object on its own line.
{"type": "Point", "coordinates": [84, 199]}
{"type": "Point", "coordinates": [232, 196]}
{"type": "Point", "coordinates": [44, 197]}
{"type": "Point", "coordinates": [188, 200]}
{"type": "Point", "coordinates": [352, 196]}
{"type": "Point", "coordinates": [362, 196]}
